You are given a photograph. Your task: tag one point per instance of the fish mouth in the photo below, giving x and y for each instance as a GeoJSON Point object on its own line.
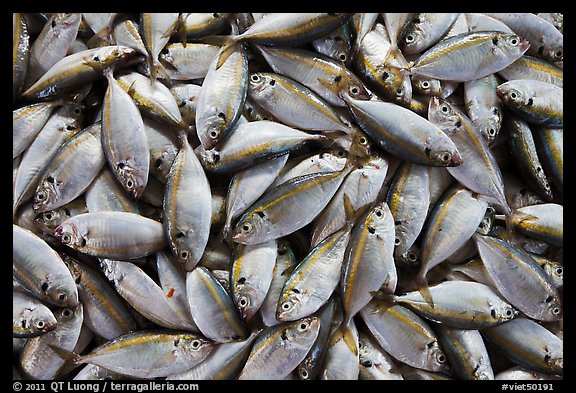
{"type": "Point", "coordinates": [456, 160]}
{"type": "Point", "coordinates": [524, 46]}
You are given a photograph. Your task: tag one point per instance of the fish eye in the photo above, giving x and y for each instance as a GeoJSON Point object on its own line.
{"type": "Point", "coordinates": [195, 344]}
{"type": "Point", "coordinates": [556, 310]}
{"type": "Point", "coordinates": [303, 326]}
{"type": "Point", "coordinates": [40, 325]}
{"type": "Point", "coordinates": [62, 297]}
{"type": "Point", "coordinates": [243, 302]}
{"type": "Point", "coordinates": [247, 227]}
{"type": "Point", "coordinates": [213, 134]}
{"type": "Point", "coordinates": [40, 195]}
{"type": "Point", "coordinates": [444, 108]}
{"type": "Point", "coordinates": [410, 38]}
{"type": "Point", "coordinates": [129, 184]}
{"type": "Point", "coordinates": [509, 313]}
{"type": "Point", "coordinates": [363, 141]}
{"type": "Point", "coordinates": [441, 358]}
{"type": "Point", "coordinates": [425, 84]}
{"type": "Point", "coordinates": [514, 41]}
{"type": "Point", "coordinates": [304, 374]}
{"type": "Point", "coordinates": [491, 132]}
{"type": "Point", "coordinates": [354, 90]}
{"type": "Point", "coordinates": [66, 238]}
{"type": "Point", "coordinates": [412, 256]}
{"type": "Point", "coordinates": [342, 56]}
{"type": "Point", "coordinates": [286, 306]}
{"type": "Point", "coordinates": [399, 91]}
{"type": "Point", "coordinates": [559, 271]}
{"type": "Point", "coordinates": [184, 254]}
{"type": "Point", "coordinates": [558, 54]}
{"type": "Point", "coordinates": [216, 15]}
{"type": "Point", "coordinates": [77, 110]}
{"type": "Point", "coordinates": [44, 286]}
{"type": "Point", "coordinates": [513, 94]}
{"type": "Point", "coordinates": [446, 157]}
{"type": "Point", "coordinates": [67, 312]}
{"type": "Point", "coordinates": [397, 241]}
{"type": "Point", "coordinates": [255, 78]}
{"type": "Point", "coordinates": [48, 216]}
{"type": "Point", "coordinates": [378, 213]}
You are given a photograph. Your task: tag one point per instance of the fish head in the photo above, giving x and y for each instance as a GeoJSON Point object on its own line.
{"type": "Point", "coordinates": [250, 227]}
{"type": "Point", "coordinates": [427, 86]}
{"type": "Point", "coordinates": [446, 155]}
{"type": "Point", "coordinates": [47, 194]}
{"type": "Point", "coordinates": [396, 83]}
{"type": "Point", "coordinates": [194, 345]}
{"type": "Point", "coordinates": [261, 84]}
{"type": "Point", "coordinates": [59, 292]}
{"type": "Point", "coordinates": [245, 300]}
{"type": "Point", "coordinates": [490, 125]}
{"type": "Point", "coordinates": [412, 41]}
{"type": "Point", "coordinates": [554, 51]}
{"type": "Point", "coordinates": [503, 312]}
{"type": "Point", "coordinates": [43, 321]}
{"type": "Point", "coordinates": [436, 357]}
{"type": "Point", "coordinates": [442, 114]}
{"type": "Point", "coordinates": [68, 234]}
{"type": "Point", "coordinates": [289, 306]}
{"type": "Point", "coordinates": [132, 179]}
{"type": "Point", "coordinates": [49, 220]}
{"type": "Point", "coordinates": [509, 93]}
{"type": "Point", "coordinates": [554, 310]}
{"type": "Point", "coordinates": [303, 331]}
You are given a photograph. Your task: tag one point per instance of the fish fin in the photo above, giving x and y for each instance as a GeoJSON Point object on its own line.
{"type": "Point", "coordinates": [181, 28]}
{"type": "Point", "coordinates": [217, 40]}
{"type": "Point", "coordinates": [424, 290]}
{"type": "Point", "coordinates": [102, 38]}
{"type": "Point", "coordinates": [160, 69]}
{"type": "Point", "coordinates": [344, 332]}
{"type": "Point", "coordinates": [72, 359]}
{"type": "Point", "coordinates": [225, 52]}
{"type": "Point", "coordinates": [288, 271]}
{"type": "Point", "coordinates": [167, 64]}
{"type": "Point", "coordinates": [383, 301]}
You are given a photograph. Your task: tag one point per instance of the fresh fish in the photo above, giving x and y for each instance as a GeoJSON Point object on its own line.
{"type": "Point", "coordinates": [425, 30]}
{"type": "Point", "coordinates": [40, 269]}
{"type": "Point", "coordinates": [20, 54]}
{"type": "Point", "coordinates": [156, 29]}
{"type": "Point", "coordinates": [212, 308]}
{"type": "Point", "coordinates": [405, 336]}
{"type": "Point", "coordinates": [483, 106]}
{"type": "Point", "coordinates": [188, 62]}
{"type": "Point", "coordinates": [71, 171]}
{"type": "Point", "coordinates": [112, 234]}
{"type": "Point", "coordinates": [342, 361]}
{"type": "Point", "coordinates": [251, 275]}
{"type": "Point", "coordinates": [470, 56]}
{"type": "Point", "coordinates": [204, 24]}
{"type": "Point", "coordinates": [279, 349]}
{"type": "Point", "coordinates": [332, 160]}
{"type": "Point", "coordinates": [105, 193]}
{"type": "Point", "coordinates": [76, 70]}
{"type": "Point", "coordinates": [534, 101]}
{"type": "Point", "coordinates": [550, 148]}
{"type": "Point", "coordinates": [30, 317]}
{"type": "Point", "coordinates": [375, 363]}
{"type": "Point", "coordinates": [52, 44]}
{"type": "Point", "coordinates": [124, 139]}
{"type": "Point", "coordinates": [127, 33]}
{"type": "Point", "coordinates": [528, 67]}
{"type": "Point", "coordinates": [336, 44]}
{"type": "Point", "coordinates": [542, 222]}
{"type": "Point", "coordinates": [37, 360]}
{"type": "Point", "coordinates": [222, 97]}
{"type": "Point", "coordinates": [520, 279]}
{"type": "Point", "coordinates": [528, 344]}
{"type": "Point", "coordinates": [483, 22]}
{"type": "Point", "coordinates": [187, 207]}
{"type": "Point", "coordinates": [27, 122]}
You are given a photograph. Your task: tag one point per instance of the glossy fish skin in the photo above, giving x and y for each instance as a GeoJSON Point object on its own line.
{"type": "Point", "coordinates": [222, 97]}
{"type": "Point", "coordinates": [543, 222]}
{"type": "Point", "coordinates": [470, 56]}
{"type": "Point", "coordinates": [163, 147]}
{"type": "Point", "coordinates": [224, 363]}
{"type": "Point", "coordinates": [111, 234]}
{"type": "Point", "coordinates": [524, 154]}
{"type": "Point", "coordinates": [20, 54]}
{"type": "Point", "coordinates": [62, 125]}
{"type": "Point", "coordinates": [545, 40]}
{"type": "Point", "coordinates": [425, 30]}
{"type": "Point", "coordinates": [150, 354]}
{"type": "Point", "coordinates": [143, 294]}
{"type": "Point", "coordinates": [451, 223]}
{"type": "Point", "coordinates": [483, 106]}
{"type": "Point", "coordinates": [153, 99]}
{"type": "Point", "coordinates": [528, 67]}
{"type": "Point", "coordinates": [336, 44]}
{"type": "Point", "coordinates": [248, 185]}
{"type": "Point", "coordinates": [519, 373]}
{"type": "Point", "coordinates": [279, 349]}
{"type": "Point", "coordinates": [408, 199]}
{"type": "Point", "coordinates": [71, 171]}
{"type": "Point", "coordinates": [466, 353]}
{"type": "Point", "coordinates": [30, 317]}
{"type": "Point", "coordinates": [368, 265]}
{"type": "Point", "coordinates": [91, 372]}
{"type": "Point", "coordinates": [461, 304]}
{"type": "Point", "coordinates": [313, 70]}
{"type": "Point", "coordinates": [362, 186]}
{"type": "Point", "coordinates": [375, 363]}
{"type": "Point", "coordinates": [520, 279]}
{"type": "Point", "coordinates": [534, 101]}
{"type": "Point", "coordinates": [484, 22]}
{"type": "Point", "coordinates": [187, 207]}
{"type": "Point", "coordinates": [287, 207]}
{"type": "Point", "coordinates": [550, 148]}
{"type": "Point", "coordinates": [76, 70]}
{"type": "Point", "coordinates": [311, 366]}
{"type": "Point", "coordinates": [314, 279]}
{"type": "Point", "coordinates": [405, 336]}
{"type": "Point", "coordinates": [291, 29]}
{"type": "Point", "coordinates": [107, 194]}
{"type": "Point", "coordinates": [127, 33]}
{"type": "Point", "coordinates": [382, 66]}
{"type": "Point", "coordinates": [37, 360]}
{"type": "Point", "coordinates": [188, 62]}
{"type": "Point", "coordinates": [342, 355]}
{"type": "Point", "coordinates": [480, 171]}
{"type": "Point", "coordinates": [529, 344]}
{"type": "Point", "coordinates": [293, 104]}
{"type": "Point", "coordinates": [204, 24]}
{"type": "Point", "coordinates": [52, 44]}
{"type": "Point", "coordinates": [212, 308]}
{"type": "Point", "coordinates": [518, 192]}
{"type": "Point", "coordinates": [326, 161]}
{"type": "Point", "coordinates": [405, 134]}
{"type": "Point", "coordinates": [105, 312]}
{"type": "Point", "coordinates": [39, 268]}
{"type": "Point", "coordinates": [27, 122]}
{"type": "Point", "coordinates": [123, 138]}
{"type": "Point", "coordinates": [251, 275]}
{"type": "Point", "coordinates": [156, 29]}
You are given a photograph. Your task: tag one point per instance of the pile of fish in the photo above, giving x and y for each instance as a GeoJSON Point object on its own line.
{"type": "Point", "coordinates": [287, 196]}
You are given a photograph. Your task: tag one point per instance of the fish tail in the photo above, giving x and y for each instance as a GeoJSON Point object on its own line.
{"type": "Point", "coordinates": [344, 333]}
{"type": "Point", "coordinates": [424, 289]}
{"type": "Point", "coordinates": [161, 70]}
{"type": "Point", "coordinates": [72, 359]}
{"type": "Point", "coordinates": [383, 300]}
{"type": "Point", "coordinates": [102, 38]}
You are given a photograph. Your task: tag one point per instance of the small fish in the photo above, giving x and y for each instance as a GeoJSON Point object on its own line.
{"type": "Point", "coordinates": [528, 67]}
{"type": "Point", "coordinates": [20, 54]}
{"type": "Point", "coordinates": [375, 363]}
{"type": "Point", "coordinates": [27, 122]}
{"type": "Point", "coordinates": [425, 30]}
{"type": "Point", "coordinates": [30, 317]}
